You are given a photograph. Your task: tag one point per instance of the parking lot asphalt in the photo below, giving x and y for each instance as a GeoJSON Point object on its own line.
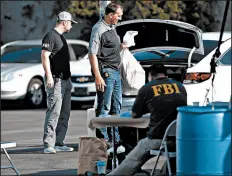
{"type": "Point", "coordinates": [32, 161]}
{"type": "Point", "coordinates": [25, 127]}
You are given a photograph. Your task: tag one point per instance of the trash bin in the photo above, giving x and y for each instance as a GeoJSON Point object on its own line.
{"type": "Point", "coordinates": [203, 140]}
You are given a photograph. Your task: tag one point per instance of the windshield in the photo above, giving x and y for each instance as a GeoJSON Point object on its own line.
{"type": "Point", "coordinates": [30, 55]}
{"type": "Point", "coordinates": [209, 45]}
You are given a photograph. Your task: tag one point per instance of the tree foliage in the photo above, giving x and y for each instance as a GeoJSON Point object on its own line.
{"type": "Point", "coordinates": [198, 13]}
{"type": "Point", "coordinates": [133, 9]}
{"type": "Point", "coordinates": [154, 10]}
{"type": "Point", "coordinates": [85, 9]}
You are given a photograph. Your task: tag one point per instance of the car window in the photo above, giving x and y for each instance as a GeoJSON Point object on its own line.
{"type": "Point", "coordinates": [30, 55]}
{"type": "Point", "coordinates": [72, 53]}
{"type": "Point", "coordinates": [13, 48]}
{"type": "Point", "coordinates": [80, 50]}
{"type": "Point", "coordinates": [209, 45]}
{"type": "Point", "coordinates": [226, 59]}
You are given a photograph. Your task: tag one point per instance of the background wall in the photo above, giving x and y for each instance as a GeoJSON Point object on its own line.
{"type": "Point", "coordinates": [218, 12]}
{"type": "Point", "coordinates": [23, 20]}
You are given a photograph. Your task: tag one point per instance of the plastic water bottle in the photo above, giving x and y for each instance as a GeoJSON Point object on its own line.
{"type": "Point", "coordinates": [101, 167]}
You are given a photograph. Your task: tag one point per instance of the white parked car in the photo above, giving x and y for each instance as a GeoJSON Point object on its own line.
{"type": "Point", "coordinates": [22, 72]}
{"type": "Point", "coordinates": [84, 89]}
{"type": "Point", "coordinates": [162, 41]}
{"type": "Point", "coordinates": [198, 79]}
{"type": "Point", "coordinates": [171, 43]}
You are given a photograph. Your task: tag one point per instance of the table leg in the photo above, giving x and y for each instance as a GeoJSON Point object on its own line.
{"type": "Point", "coordinates": [11, 162]}
{"type": "Point", "coordinates": [114, 150]}
{"type": "Point", "coordinates": [137, 131]}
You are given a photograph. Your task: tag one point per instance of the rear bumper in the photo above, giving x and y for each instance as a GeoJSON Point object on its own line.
{"type": "Point", "coordinates": [87, 92]}
{"type": "Point", "coordinates": [87, 98]}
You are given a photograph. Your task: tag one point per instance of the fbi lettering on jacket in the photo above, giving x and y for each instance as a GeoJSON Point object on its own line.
{"type": "Point", "coordinates": [165, 89]}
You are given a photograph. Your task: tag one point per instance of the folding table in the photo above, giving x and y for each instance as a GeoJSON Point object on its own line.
{"type": "Point", "coordinates": [5, 145]}
{"type": "Point", "coordinates": [117, 121]}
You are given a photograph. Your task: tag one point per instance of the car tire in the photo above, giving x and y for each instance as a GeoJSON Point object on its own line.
{"type": "Point", "coordinates": [35, 93]}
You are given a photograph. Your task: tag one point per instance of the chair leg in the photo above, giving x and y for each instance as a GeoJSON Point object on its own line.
{"type": "Point", "coordinates": [156, 162]}
{"type": "Point", "coordinates": [143, 171]}
{"type": "Point", "coordinates": [167, 157]}
{"type": "Point", "coordinates": [11, 162]}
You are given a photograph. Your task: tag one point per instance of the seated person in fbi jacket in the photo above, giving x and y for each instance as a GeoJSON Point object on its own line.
{"type": "Point", "coordinates": [160, 97]}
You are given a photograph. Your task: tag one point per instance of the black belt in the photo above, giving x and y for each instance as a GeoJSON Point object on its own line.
{"type": "Point", "coordinates": [61, 76]}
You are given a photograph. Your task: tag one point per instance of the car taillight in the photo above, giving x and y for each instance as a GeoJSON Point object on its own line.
{"type": "Point", "coordinates": [192, 78]}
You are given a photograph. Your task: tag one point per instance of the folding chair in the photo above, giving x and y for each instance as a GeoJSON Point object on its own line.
{"type": "Point", "coordinates": [170, 131]}
{"type": "Point", "coordinates": [5, 145]}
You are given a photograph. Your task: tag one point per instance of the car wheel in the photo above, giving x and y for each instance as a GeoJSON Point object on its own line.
{"type": "Point", "coordinates": [35, 93]}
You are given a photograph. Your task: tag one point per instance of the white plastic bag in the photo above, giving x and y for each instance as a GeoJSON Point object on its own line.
{"type": "Point", "coordinates": [128, 38]}
{"type": "Point", "coordinates": [132, 74]}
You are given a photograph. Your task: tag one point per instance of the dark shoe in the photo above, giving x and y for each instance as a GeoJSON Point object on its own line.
{"type": "Point", "coordinates": [108, 171]}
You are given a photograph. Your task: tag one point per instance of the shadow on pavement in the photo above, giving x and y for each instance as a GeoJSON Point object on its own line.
{"type": "Point", "coordinates": [34, 149]}
{"type": "Point", "coordinates": [13, 105]}
{"type": "Point", "coordinates": [81, 105]}
{"type": "Point", "coordinates": [57, 172]}
{"type": "Point", "coordinates": [74, 172]}
{"type": "Point", "coordinates": [20, 105]}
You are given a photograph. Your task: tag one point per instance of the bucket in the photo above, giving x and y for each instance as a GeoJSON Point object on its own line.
{"type": "Point", "coordinates": [203, 143]}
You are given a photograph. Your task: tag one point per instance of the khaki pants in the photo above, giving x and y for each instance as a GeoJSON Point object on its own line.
{"type": "Point", "coordinates": [58, 112]}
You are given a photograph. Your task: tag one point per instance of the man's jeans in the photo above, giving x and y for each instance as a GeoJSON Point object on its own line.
{"type": "Point", "coordinates": [58, 112]}
{"type": "Point", "coordinates": [137, 157]}
{"type": "Point", "coordinates": [110, 101]}
{"type": "Point", "coordinates": [140, 155]}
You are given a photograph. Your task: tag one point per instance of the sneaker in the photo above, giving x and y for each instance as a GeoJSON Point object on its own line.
{"type": "Point", "coordinates": [49, 150]}
{"type": "Point", "coordinates": [120, 149]}
{"type": "Point", "coordinates": [63, 148]}
{"type": "Point", "coordinates": [104, 115]}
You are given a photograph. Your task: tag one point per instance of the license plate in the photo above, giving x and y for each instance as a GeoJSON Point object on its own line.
{"type": "Point", "coordinates": [81, 91]}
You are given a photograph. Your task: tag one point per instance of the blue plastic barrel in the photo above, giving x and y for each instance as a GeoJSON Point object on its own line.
{"type": "Point", "coordinates": [203, 143]}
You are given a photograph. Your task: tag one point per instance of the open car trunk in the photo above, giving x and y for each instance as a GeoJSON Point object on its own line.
{"type": "Point", "coordinates": [171, 43]}
{"type": "Point", "coordinates": [155, 34]}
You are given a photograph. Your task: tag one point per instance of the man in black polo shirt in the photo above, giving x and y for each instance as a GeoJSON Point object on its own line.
{"type": "Point", "coordinates": [160, 97]}
{"type": "Point", "coordinates": [55, 59]}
